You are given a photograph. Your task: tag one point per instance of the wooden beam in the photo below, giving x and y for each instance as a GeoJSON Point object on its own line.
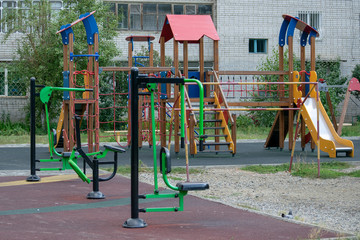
{"type": "Point", "coordinates": [257, 104]}
{"type": "Point", "coordinates": [201, 59]}
{"type": "Point", "coordinates": [151, 55]}
{"type": "Point", "coordinates": [185, 59]}
{"type": "Point", "coordinates": [130, 54]}
{"type": "Point", "coordinates": [251, 73]}
{"type": "Point", "coordinates": [291, 95]}
{"type": "Point", "coordinates": [141, 69]}
{"type": "Point", "coordinates": [216, 55]}
{"type": "Point", "coordinates": [162, 51]}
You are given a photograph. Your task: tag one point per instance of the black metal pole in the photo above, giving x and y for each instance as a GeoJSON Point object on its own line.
{"type": "Point", "coordinates": [134, 221]}
{"type": "Point", "coordinates": [33, 177]}
{"type": "Point", "coordinates": [95, 194]}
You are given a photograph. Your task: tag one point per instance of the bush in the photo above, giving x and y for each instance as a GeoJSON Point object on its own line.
{"type": "Point", "coordinates": [356, 74]}
{"type": "Point", "coordinates": [7, 128]}
{"type": "Point", "coordinates": [243, 121]}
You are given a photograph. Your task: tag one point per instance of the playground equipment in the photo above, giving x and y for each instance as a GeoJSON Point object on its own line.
{"type": "Point", "coordinates": [318, 122]}
{"type": "Point", "coordinates": [88, 102]}
{"type": "Point", "coordinates": [165, 165]}
{"type": "Point", "coordinates": [354, 85]}
{"type": "Point", "coordinates": [69, 159]}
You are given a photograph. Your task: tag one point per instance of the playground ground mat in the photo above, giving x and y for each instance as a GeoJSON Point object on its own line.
{"type": "Point", "coordinates": [57, 208]}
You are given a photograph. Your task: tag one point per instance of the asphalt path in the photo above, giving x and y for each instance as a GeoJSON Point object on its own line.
{"type": "Point", "coordinates": [248, 152]}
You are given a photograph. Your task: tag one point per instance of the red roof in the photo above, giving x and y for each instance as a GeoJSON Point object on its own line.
{"type": "Point", "coordinates": [189, 28]}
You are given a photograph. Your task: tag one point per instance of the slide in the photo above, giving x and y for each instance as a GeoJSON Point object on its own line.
{"type": "Point", "coordinates": [330, 141]}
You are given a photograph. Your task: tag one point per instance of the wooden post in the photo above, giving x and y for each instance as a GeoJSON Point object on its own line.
{"type": "Point", "coordinates": [176, 93]}
{"type": "Point", "coordinates": [281, 68]}
{"type": "Point", "coordinates": [191, 134]}
{"type": "Point", "coordinates": [162, 51]}
{"type": "Point", "coordinates": [185, 59]}
{"type": "Point", "coordinates": [96, 94]}
{"type": "Point", "coordinates": [90, 106]}
{"type": "Point", "coordinates": [281, 88]}
{"type": "Point", "coordinates": [216, 65]}
{"type": "Point", "coordinates": [72, 96]}
{"type": "Point", "coordinates": [151, 55]}
{"type": "Point", "coordinates": [201, 59]}
{"type": "Point", "coordinates": [343, 113]}
{"type": "Point", "coordinates": [291, 95]}
{"type": "Point", "coordinates": [66, 102]}
{"type": "Point", "coordinates": [302, 67]}
{"type": "Point", "coordinates": [233, 131]}
{"type": "Point", "coordinates": [312, 68]}
{"type": "Point", "coordinates": [130, 47]}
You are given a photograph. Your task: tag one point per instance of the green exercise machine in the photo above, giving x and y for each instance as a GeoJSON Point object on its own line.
{"type": "Point", "coordinates": [182, 188]}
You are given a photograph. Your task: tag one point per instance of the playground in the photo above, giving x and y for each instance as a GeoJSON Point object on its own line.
{"type": "Point", "coordinates": [174, 111]}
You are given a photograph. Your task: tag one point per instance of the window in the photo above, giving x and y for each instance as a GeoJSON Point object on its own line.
{"type": "Point", "coordinates": [18, 11]}
{"type": "Point", "coordinates": [163, 9]}
{"type": "Point", "coordinates": [123, 16]}
{"type": "Point", "coordinates": [178, 9]}
{"type": "Point", "coordinates": [190, 9]}
{"type": "Point", "coordinates": [9, 11]}
{"type": "Point", "coordinates": [257, 45]}
{"type": "Point", "coordinates": [311, 18]}
{"type": "Point", "coordinates": [204, 9]}
{"type": "Point", "coordinates": [151, 16]}
{"type": "Point", "coordinates": [135, 17]}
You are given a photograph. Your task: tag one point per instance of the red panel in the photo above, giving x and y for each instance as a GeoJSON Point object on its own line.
{"type": "Point", "coordinates": [354, 85]}
{"type": "Point", "coordinates": [189, 28]}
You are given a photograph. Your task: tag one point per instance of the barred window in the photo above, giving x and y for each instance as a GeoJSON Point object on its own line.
{"type": "Point", "coordinates": [311, 18]}
{"type": "Point", "coordinates": [151, 16]}
{"type": "Point", "coordinates": [258, 45]}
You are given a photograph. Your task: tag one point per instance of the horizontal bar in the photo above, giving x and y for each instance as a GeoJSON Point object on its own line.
{"type": "Point", "coordinates": [241, 109]}
{"type": "Point", "coordinates": [164, 209]}
{"type": "Point", "coordinates": [49, 160]}
{"type": "Point", "coordinates": [49, 169]}
{"type": "Point", "coordinates": [252, 73]}
{"type": "Point", "coordinates": [253, 83]}
{"type": "Point", "coordinates": [141, 69]}
{"type": "Point", "coordinates": [169, 195]}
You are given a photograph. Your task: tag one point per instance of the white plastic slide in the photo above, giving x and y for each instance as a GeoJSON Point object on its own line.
{"type": "Point", "coordinates": [330, 141]}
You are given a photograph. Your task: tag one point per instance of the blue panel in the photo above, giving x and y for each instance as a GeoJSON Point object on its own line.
{"type": "Point", "coordinates": [307, 86]}
{"type": "Point", "coordinates": [291, 29]}
{"type": "Point", "coordinates": [66, 74]}
{"type": "Point", "coordinates": [90, 27]}
{"type": "Point", "coordinates": [65, 34]}
{"type": "Point", "coordinates": [282, 33]}
{"type": "Point", "coordinates": [163, 86]}
{"type": "Point", "coordinates": [312, 34]}
{"type": "Point", "coordinates": [303, 39]}
{"type": "Point", "coordinates": [194, 89]}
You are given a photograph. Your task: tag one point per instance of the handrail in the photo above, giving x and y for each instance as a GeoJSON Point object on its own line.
{"type": "Point", "coordinates": [221, 93]}
{"type": "Point", "coordinates": [251, 72]}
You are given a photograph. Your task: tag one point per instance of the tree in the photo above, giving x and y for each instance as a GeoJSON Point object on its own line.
{"type": "Point", "coordinates": [39, 50]}
{"type": "Point", "coordinates": [356, 74]}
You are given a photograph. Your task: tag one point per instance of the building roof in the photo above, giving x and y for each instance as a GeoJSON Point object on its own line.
{"type": "Point", "coordinates": [189, 28]}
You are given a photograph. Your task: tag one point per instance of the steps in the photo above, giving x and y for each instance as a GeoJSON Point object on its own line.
{"type": "Point", "coordinates": [215, 128]}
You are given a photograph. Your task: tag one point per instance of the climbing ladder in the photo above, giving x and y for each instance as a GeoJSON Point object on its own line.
{"type": "Point", "coordinates": [219, 136]}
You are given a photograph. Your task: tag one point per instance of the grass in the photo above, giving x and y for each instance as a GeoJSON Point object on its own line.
{"type": "Point", "coordinates": [17, 134]}
{"type": "Point", "coordinates": [328, 170]}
